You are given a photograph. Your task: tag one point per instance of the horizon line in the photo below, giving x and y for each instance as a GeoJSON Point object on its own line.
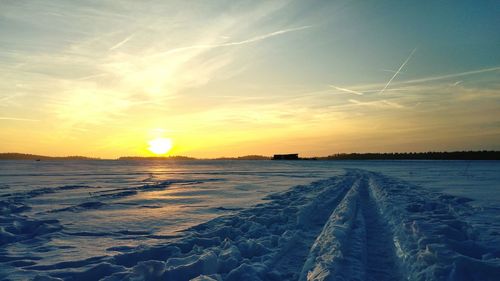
{"type": "Point", "coordinates": [166, 157]}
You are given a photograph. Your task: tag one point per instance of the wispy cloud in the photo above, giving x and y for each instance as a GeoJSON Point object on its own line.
{"type": "Point", "coordinates": [19, 119]}
{"type": "Point", "coordinates": [247, 41]}
{"type": "Point", "coordinates": [121, 43]}
{"type": "Point", "coordinates": [89, 75]}
{"type": "Point", "coordinates": [8, 97]}
{"type": "Point", "coordinates": [347, 90]}
{"type": "Point", "coordinates": [389, 70]}
{"type": "Point", "coordinates": [371, 88]}
{"type": "Point", "coordinates": [243, 74]}
{"type": "Point", "coordinates": [397, 71]}
{"type": "Point", "coordinates": [448, 76]}
{"type": "Point", "coordinates": [378, 103]}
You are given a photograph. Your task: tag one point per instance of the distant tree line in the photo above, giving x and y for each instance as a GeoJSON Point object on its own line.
{"type": "Point", "coordinates": [23, 156]}
{"type": "Point", "coordinates": [455, 155]}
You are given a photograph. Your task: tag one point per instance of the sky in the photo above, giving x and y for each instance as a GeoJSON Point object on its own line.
{"type": "Point", "coordinates": [228, 78]}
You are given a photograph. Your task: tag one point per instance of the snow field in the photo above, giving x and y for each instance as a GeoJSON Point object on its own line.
{"type": "Point", "coordinates": [357, 226]}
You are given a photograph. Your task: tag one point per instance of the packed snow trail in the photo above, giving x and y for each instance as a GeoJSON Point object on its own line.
{"type": "Point", "coordinates": [358, 226]}
{"type": "Point", "coordinates": [382, 264]}
{"type": "Point", "coordinates": [355, 244]}
{"type": "Point", "coordinates": [433, 239]}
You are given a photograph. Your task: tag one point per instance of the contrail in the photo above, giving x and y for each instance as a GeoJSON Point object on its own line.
{"type": "Point", "coordinates": [347, 90]}
{"type": "Point", "coordinates": [119, 44]}
{"type": "Point", "coordinates": [447, 76]}
{"type": "Point", "coordinates": [91, 76]}
{"type": "Point", "coordinates": [372, 87]}
{"type": "Point", "coordinates": [397, 72]}
{"type": "Point", "coordinates": [377, 103]}
{"type": "Point", "coordinates": [251, 40]}
{"type": "Point", "coordinates": [19, 119]}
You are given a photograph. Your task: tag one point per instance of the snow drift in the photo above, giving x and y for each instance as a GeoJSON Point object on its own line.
{"type": "Point", "coordinates": [358, 226]}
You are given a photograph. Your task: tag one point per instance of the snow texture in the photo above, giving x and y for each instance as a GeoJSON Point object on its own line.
{"type": "Point", "coordinates": [360, 225]}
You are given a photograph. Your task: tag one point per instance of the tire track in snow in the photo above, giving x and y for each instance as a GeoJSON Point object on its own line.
{"type": "Point", "coordinates": [269, 241]}
{"type": "Point", "coordinates": [381, 259]}
{"type": "Point", "coordinates": [331, 256]}
{"type": "Point", "coordinates": [358, 226]}
{"type": "Point", "coordinates": [432, 234]}
{"type": "Point", "coordinates": [355, 243]}
{"type": "Point", "coordinates": [311, 220]}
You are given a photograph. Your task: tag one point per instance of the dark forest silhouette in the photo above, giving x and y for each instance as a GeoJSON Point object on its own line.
{"type": "Point", "coordinates": [23, 156]}
{"type": "Point", "coordinates": [455, 155]}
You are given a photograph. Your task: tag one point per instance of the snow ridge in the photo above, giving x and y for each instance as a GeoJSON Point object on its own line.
{"type": "Point", "coordinates": [431, 234]}
{"type": "Point", "coordinates": [358, 226]}
{"type": "Point", "coordinates": [355, 243]}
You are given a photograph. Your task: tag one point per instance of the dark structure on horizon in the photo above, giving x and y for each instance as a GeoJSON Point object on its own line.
{"type": "Point", "coordinates": [454, 155]}
{"type": "Point", "coordinates": [294, 156]}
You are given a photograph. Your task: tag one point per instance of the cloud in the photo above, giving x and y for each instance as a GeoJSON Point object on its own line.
{"type": "Point", "coordinates": [371, 88]}
{"type": "Point", "coordinates": [347, 90]}
{"type": "Point", "coordinates": [397, 72]}
{"type": "Point", "coordinates": [378, 104]}
{"type": "Point", "coordinates": [121, 43]}
{"type": "Point", "coordinates": [19, 119]}
{"type": "Point", "coordinates": [247, 41]}
{"type": "Point", "coordinates": [93, 85]}
{"type": "Point", "coordinates": [448, 76]}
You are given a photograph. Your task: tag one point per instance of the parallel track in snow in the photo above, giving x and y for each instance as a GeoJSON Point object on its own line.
{"type": "Point", "coordinates": [355, 243]}
{"type": "Point", "coordinates": [358, 226]}
{"type": "Point", "coordinates": [381, 260]}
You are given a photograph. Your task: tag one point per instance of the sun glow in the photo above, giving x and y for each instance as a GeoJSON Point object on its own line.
{"type": "Point", "coordinates": [160, 145]}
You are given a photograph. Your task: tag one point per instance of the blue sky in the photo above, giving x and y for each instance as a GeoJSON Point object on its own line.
{"type": "Point", "coordinates": [103, 78]}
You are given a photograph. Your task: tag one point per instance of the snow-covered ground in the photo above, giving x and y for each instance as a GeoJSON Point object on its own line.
{"type": "Point", "coordinates": [250, 220]}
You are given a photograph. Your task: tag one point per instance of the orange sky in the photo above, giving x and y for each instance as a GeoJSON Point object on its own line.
{"type": "Point", "coordinates": [221, 79]}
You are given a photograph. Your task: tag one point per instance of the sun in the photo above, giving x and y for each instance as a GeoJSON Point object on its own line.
{"type": "Point", "coordinates": [160, 145]}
